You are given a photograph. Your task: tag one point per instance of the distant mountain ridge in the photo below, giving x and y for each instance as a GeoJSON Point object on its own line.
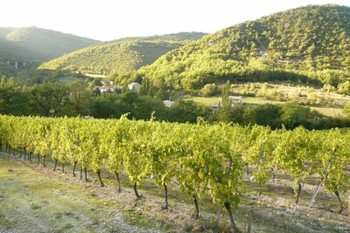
{"type": "Point", "coordinates": [307, 44]}
{"type": "Point", "coordinates": [119, 56]}
{"type": "Point", "coordinates": [180, 36]}
{"type": "Point", "coordinates": [32, 45]}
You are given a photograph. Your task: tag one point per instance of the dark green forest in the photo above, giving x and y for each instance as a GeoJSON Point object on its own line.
{"type": "Point", "coordinates": [308, 45]}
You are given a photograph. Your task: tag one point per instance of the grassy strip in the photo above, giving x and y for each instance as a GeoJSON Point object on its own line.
{"type": "Point", "coordinates": [30, 202]}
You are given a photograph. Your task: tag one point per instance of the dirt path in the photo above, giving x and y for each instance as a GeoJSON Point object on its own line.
{"type": "Point", "coordinates": [33, 202]}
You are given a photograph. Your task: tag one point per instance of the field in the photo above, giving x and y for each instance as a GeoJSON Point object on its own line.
{"type": "Point", "coordinates": [95, 75]}
{"type": "Point", "coordinates": [36, 199]}
{"type": "Point", "coordinates": [327, 102]}
{"type": "Point", "coordinates": [67, 79]}
{"type": "Point", "coordinates": [327, 111]}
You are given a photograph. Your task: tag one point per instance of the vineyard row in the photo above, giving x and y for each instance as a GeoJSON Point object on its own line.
{"type": "Point", "coordinates": [205, 160]}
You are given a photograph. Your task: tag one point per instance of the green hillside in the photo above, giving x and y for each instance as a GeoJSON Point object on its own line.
{"type": "Point", "coordinates": [33, 45]}
{"type": "Point", "coordinates": [120, 56]}
{"type": "Point", "coordinates": [304, 45]}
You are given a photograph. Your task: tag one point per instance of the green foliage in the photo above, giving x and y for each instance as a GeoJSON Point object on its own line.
{"type": "Point", "coordinates": [289, 115]}
{"type": "Point", "coordinates": [259, 153]}
{"type": "Point", "coordinates": [225, 95]}
{"type": "Point", "coordinates": [294, 155]}
{"type": "Point", "coordinates": [268, 115]}
{"type": "Point", "coordinates": [344, 88]}
{"type": "Point", "coordinates": [186, 111]}
{"type": "Point", "coordinates": [117, 57]}
{"type": "Point", "coordinates": [205, 161]}
{"type": "Point", "coordinates": [294, 115]}
{"type": "Point", "coordinates": [209, 90]}
{"type": "Point", "coordinates": [346, 109]}
{"type": "Point", "coordinates": [334, 152]}
{"type": "Point", "coordinates": [108, 106]}
{"type": "Point", "coordinates": [78, 99]}
{"type": "Point", "coordinates": [33, 45]}
{"type": "Point", "coordinates": [309, 45]}
{"type": "Point", "coordinates": [13, 100]}
{"type": "Point", "coordinates": [48, 99]}
{"type": "Point", "coordinates": [136, 152]}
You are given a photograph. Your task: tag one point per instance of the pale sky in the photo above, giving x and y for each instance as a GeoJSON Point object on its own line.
{"type": "Point", "coordinates": [114, 19]}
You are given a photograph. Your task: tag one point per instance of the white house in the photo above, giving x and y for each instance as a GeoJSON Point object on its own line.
{"type": "Point", "coordinates": [111, 88]}
{"type": "Point", "coordinates": [215, 107]}
{"type": "Point", "coordinates": [168, 103]}
{"type": "Point", "coordinates": [235, 99]}
{"type": "Point", "coordinates": [232, 101]}
{"type": "Point", "coordinates": [134, 87]}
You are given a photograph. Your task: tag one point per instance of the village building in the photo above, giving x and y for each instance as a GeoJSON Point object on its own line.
{"type": "Point", "coordinates": [134, 87]}
{"type": "Point", "coordinates": [168, 103]}
{"type": "Point", "coordinates": [111, 88]}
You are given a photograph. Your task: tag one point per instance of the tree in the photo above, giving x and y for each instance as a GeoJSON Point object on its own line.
{"type": "Point", "coordinates": [109, 105]}
{"type": "Point", "coordinates": [79, 99]}
{"type": "Point", "coordinates": [209, 90]}
{"type": "Point", "coordinates": [186, 111]}
{"type": "Point", "coordinates": [13, 98]}
{"type": "Point", "coordinates": [144, 106]}
{"type": "Point", "coordinates": [225, 95]}
{"type": "Point", "coordinates": [344, 88]}
{"type": "Point", "coordinates": [48, 99]}
{"type": "Point", "coordinates": [294, 115]}
{"type": "Point", "coordinates": [268, 115]}
{"type": "Point", "coordinates": [346, 108]}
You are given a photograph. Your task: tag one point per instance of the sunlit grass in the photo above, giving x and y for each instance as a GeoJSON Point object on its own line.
{"type": "Point", "coordinates": [67, 79]}
{"type": "Point", "coordinates": [327, 111]}
{"type": "Point", "coordinates": [204, 100]}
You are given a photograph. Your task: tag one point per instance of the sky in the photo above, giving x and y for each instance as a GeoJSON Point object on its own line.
{"type": "Point", "coordinates": [113, 19]}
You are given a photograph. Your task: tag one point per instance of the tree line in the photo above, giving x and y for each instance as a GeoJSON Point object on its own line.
{"type": "Point", "coordinates": [80, 99]}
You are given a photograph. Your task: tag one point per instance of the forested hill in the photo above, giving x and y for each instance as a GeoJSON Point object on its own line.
{"type": "Point", "coordinates": [33, 44]}
{"type": "Point", "coordinates": [309, 44]}
{"type": "Point", "coordinates": [122, 55]}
